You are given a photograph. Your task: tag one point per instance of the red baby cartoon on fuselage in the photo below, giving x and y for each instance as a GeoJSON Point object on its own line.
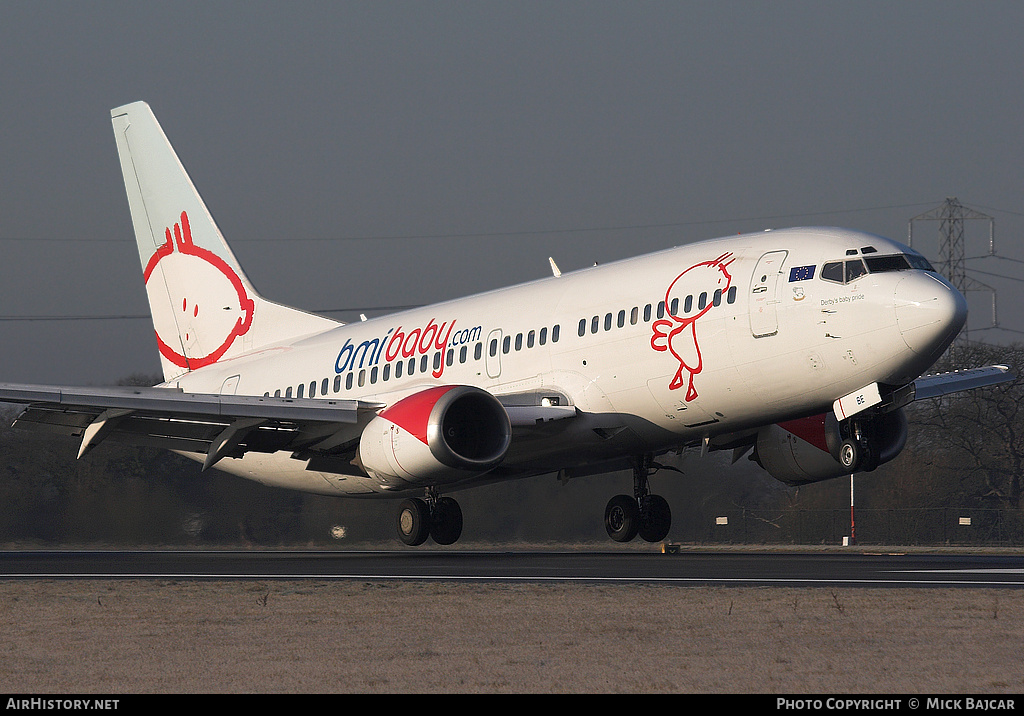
{"type": "Point", "coordinates": [196, 325]}
{"type": "Point", "coordinates": [678, 333]}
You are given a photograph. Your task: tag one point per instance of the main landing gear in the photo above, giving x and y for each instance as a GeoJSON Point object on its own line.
{"type": "Point", "coordinates": [642, 514]}
{"type": "Point", "coordinates": [437, 517]}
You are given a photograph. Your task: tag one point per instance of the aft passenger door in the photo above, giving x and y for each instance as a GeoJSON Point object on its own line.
{"type": "Point", "coordinates": [764, 298]}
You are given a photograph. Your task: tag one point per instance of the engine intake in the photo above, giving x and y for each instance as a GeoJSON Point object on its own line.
{"type": "Point", "coordinates": [436, 436]}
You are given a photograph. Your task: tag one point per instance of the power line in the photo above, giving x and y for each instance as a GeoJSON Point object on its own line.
{"type": "Point", "coordinates": [139, 316]}
{"type": "Point", "coordinates": [997, 275]}
{"type": "Point", "coordinates": [502, 234]}
{"type": "Point", "coordinates": [995, 256]}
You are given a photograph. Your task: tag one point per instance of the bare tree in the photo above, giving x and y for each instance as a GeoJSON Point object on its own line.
{"type": "Point", "coordinates": [977, 436]}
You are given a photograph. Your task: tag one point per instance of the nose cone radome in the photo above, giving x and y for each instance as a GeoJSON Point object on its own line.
{"type": "Point", "coordinates": [929, 313]}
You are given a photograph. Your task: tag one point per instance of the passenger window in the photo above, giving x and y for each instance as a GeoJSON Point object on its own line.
{"type": "Point", "coordinates": [411, 367]}
{"type": "Point", "coordinates": [661, 309]}
{"type": "Point", "coordinates": [385, 373]}
{"type": "Point", "coordinates": [288, 392]}
{"type": "Point", "coordinates": [300, 391]}
{"type": "Point", "coordinates": [647, 313]}
{"type": "Point", "coordinates": [702, 302]}
{"type": "Point", "coordinates": [337, 383]}
{"type": "Point", "coordinates": [717, 300]}
{"type": "Point", "coordinates": [688, 304]}
{"type": "Point", "coordinates": [506, 345]}
{"type": "Point", "coordinates": [494, 347]}
{"type": "Point", "coordinates": [519, 341]}
{"type": "Point", "coordinates": [607, 321]}
{"type": "Point", "coordinates": [595, 323]}
{"type": "Point", "coordinates": [450, 357]}
{"type": "Point", "coordinates": [348, 381]}
{"type": "Point", "coordinates": [398, 368]}
{"type": "Point", "coordinates": [463, 354]}
{"type": "Point", "coordinates": [373, 375]}
{"type": "Point", "coordinates": [543, 338]}
{"type": "Point", "coordinates": [277, 393]}
{"type": "Point", "coordinates": [437, 360]}
{"type": "Point", "coordinates": [478, 350]}
{"type": "Point", "coordinates": [554, 333]}
{"type": "Point", "coordinates": [634, 316]}
{"type": "Point", "coordinates": [312, 389]}
{"type": "Point", "coordinates": [675, 307]}
{"type": "Point", "coordinates": [423, 363]}
{"type": "Point", "coordinates": [530, 339]}
{"type": "Point", "coordinates": [732, 295]}
{"type": "Point", "coordinates": [583, 326]}
{"type": "Point", "coordinates": [622, 319]}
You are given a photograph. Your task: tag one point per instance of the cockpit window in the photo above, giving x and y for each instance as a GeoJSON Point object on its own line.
{"type": "Point", "coordinates": [919, 262]}
{"type": "Point", "coordinates": [881, 264]}
{"type": "Point", "coordinates": [852, 269]}
{"type": "Point", "coordinates": [899, 262]}
{"type": "Point", "coordinates": [843, 271]}
{"type": "Point", "coordinates": [833, 272]}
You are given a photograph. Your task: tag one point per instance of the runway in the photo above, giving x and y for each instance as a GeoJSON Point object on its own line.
{"type": "Point", "coordinates": [683, 568]}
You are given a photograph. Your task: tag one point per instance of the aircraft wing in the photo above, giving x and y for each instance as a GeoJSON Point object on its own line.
{"type": "Point", "coordinates": [932, 386]}
{"type": "Point", "coordinates": [217, 425]}
{"type": "Point", "coordinates": [928, 386]}
{"type": "Point", "coordinates": [224, 425]}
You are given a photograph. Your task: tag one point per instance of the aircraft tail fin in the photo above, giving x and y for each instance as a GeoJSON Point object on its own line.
{"type": "Point", "coordinates": [203, 306]}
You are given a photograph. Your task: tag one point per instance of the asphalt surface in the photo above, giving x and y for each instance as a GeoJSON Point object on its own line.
{"type": "Point", "coordinates": [683, 568]}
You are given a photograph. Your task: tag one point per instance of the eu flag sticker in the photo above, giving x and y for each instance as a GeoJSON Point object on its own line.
{"type": "Point", "coordinates": [801, 273]}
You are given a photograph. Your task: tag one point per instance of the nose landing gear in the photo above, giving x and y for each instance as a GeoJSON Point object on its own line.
{"type": "Point", "coordinates": [857, 452]}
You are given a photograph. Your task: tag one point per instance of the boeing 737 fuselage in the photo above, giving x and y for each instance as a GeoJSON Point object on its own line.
{"type": "Point", "coordinates": [799, 346]}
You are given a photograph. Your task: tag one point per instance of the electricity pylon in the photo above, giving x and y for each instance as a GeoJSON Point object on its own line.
{"type": "Point", "coordinates": [951, 263]}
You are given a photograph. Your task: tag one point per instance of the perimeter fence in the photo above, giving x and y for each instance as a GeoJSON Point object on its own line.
{"type": "Point", "coordinates": [918, 526]}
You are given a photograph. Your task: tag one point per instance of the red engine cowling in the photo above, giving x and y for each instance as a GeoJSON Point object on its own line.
{"type": "Point", "coordinates": [807, 450]}
{"type": "Point", "coordinates": [438, 435]}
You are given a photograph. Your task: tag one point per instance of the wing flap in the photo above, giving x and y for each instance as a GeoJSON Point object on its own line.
{"type": "Point", "coordinates": [176, 401]}
{"type": "Point", "coordinates": [217, 425]}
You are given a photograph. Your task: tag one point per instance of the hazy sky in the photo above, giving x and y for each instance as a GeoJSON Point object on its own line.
{"type": "Point", "coordinates": [366, 154]}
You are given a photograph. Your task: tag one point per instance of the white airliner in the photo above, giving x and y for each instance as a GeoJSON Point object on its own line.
{"type": "Point", "coordinates": [799, 346]}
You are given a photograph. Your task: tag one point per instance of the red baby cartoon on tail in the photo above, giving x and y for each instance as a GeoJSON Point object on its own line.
{"type": "Point", "coordinates": [200, 306]}
{"type": "Point", "coordinates": [678, 333]}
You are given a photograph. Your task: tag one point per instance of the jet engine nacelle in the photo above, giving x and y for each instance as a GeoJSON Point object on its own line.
{"type": "Point", "coordinates": [436, 436]}
{"type": "Point", "coordinates": [807, 450]}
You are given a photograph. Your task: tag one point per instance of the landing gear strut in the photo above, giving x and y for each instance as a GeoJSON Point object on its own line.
{"type": "Point", "coordinates": [437, 517]}
{"type": "Point", "coordinates": [645, 514]}
{"type": "Point", "coordinates": [856, 453]}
